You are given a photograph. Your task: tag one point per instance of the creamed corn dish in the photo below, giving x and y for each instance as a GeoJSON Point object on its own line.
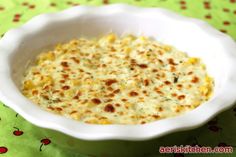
{"type": "Point", "coordinates": [117, 80]}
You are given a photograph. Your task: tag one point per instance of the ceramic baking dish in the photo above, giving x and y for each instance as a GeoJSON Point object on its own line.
{"type": "Point", "coordinates": [197, 38]}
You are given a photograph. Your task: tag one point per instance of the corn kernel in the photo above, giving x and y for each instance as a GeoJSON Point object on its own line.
{"type": "Point", "coordinates": [90, 104]}
{"type": "Point", "coordinates": [131, 83]}
{"type": "Point", "coordinates": [28, 85]}
{"type": "Point", "coordinates": [127, 104]}
{"type": "Point", "coordinates": [208, 79]}
{"type": "Point", "coordinates": [142, 38]}
{"type": "Point", "coordinates": [91, 121]}
{"type": "Point", "coordinates": [167, 48]}
{"type": "Point", "coordinates": [45, 57]}
{"type": "Point", "coordinates": [74, 42]}
{"type": "Point", "coordinates": [76, 116]}
{"type": "Point", "coordinates": [122, 86]}
{"type": "Point", "coordinates": [195, 104]}
{"type": "Point", "coordinates": [88, 81]}
{"type": "Point", "coordinates": [45, 80]}
{"type": "Point", "coordinates": [127, 50]}
{"type": "Point", "coordinates": [58, 47]}
{"type": "Point", "coordinates": [104, 121]}
{"type": "Point", "coordinates": [204, 90]}
{"type": "Point", "coordinates": [203, 66]}
{"type": "Point", "coordinates": [193, 60]}
{"type": "Point", "coordinates": [69, 93]}
{"type": "Point", "coordinates": [26, 93]}
{"type": "Point", "coordinates": [179, 108]}
{"type": "Point", "coordinates": [76, 82]}
{"type": "Point", "coordinates": [127, 39]}
{"type": "Point", "coordinates": [111, 37]}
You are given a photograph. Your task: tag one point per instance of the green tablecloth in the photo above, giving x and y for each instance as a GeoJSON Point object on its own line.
{"type": "Point", "coordinates": [19, 138]}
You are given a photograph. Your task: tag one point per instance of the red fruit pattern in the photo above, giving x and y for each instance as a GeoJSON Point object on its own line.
{"type": "Point", "coordinates": [16, 18]}
{"type": "Point", "coordinates": [3, 150]}
{"type": "Point", "coordinates": [72, 3]}
{"type": "Point", "coordinates": [25, 3]}
{"type": "Point", "coordinates": [207, 4]}
{"type": "Point", "coordinates": [222, 144]}
{"type": "Point", "coordinates": [213, 125]}
{"type": "Point", "coordinates": [208, 16]}
{"type": "Point", "coordinates": [53, 4]}
{"type": "Point", "coordinates": [44, 142]}
{"type": "Point", "coordinates": [214, 128]}
{"type": "Point", "coordinates": [17, 132]}
{"type": "Point", "coordinates": [1, 8]}
{"type": "Point", "coordinates": [28, 5]}
{"type": "Point", "coordinates": [226, 23]}
{"type": "Point", "coordinates": [223, 30]}
{"type": "Point", "coordinates": [105, 1]}
{"type": "Point", "coordinates": [226, 10]}
{"type": "Point", "coordinates": [183, 4]}
{"type": "Point", "coordinates": [31, 6]}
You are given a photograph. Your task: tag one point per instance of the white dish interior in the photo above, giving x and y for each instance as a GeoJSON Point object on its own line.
{"type": "Point", "coordinates": [196, 38]}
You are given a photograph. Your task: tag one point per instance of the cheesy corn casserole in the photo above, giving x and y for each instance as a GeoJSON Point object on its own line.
{"type": "Point", "coordinates": [117, 80]}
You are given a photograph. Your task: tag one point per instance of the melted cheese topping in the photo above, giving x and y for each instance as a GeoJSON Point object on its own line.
{"type": "Point", "coordinates": [111, 80]}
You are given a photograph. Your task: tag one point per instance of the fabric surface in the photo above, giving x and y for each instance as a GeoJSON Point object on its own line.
{"type": "Point", "coordinates": [21, 139]}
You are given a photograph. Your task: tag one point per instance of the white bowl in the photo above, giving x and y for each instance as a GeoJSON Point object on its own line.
{"type": "Point", "coordinates": [195, 37]}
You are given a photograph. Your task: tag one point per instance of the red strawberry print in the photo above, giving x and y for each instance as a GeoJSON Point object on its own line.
{"type": "Point", "coordinates": [105, 2]}
{"type": "Point", "coordinates": [1, 8]}
{"type": "Point", "coordinates": [208, 16]}
{"type": "Point", "coordinates": [214, 128]}
{"type": "Point", "coordinates": [182, 2]}
{"type": "Point", "coordinates": [207, 5]}
{"type": "Point", "coordinates": [53, 4]}
{"type": "Point", "coordinates": [223, 30]}
{"type": "Point", "coordinates": [222, 144]}
{"type": "Point", "coordinates": [31, 6]}
{"type": "Point", "coordinates": [226, 23]}
{"type": "Point", "coordinates": [69, 3]}
{"type": "Point", "coordinates": [44, 142]}
{"type": "Point", "coordinates": [183, 7]}
{"type": "Point", "coordinates": [25, 3]}
{"type": "Point", "coordinates": [226, 10]}
{"type": "Point", "coordinates": [17, 132]}
{"type": "Point", "coordinates": [3, 149]}
{"type": "Point", "coordinates": [16, 18]}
